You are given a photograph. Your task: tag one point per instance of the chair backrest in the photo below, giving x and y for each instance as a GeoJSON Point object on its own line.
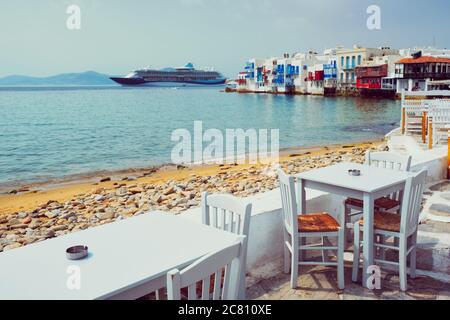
{"type": "Point", "coordinates": [412, 202]}
{"type": "Point", "coordinates": [226, 212]}
{"type": "Point", "coordinates": [440, 113]}
{"type": "Point", "coordinates": [202, 271]}
{"type": "Point", "coordinates": [288, 202]}
{"type": "Point", "coordinates": [388, 160]}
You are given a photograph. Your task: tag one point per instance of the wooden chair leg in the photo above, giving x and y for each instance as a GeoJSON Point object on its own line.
{"type": "Point", "coordinates": [402, 265]}
{"type": "Point", "coordinates": [294, 264]}
{"type": "Point", "coordinates": [356, 252]}
{"type": "Point", "coordinates": [287, 253]}
{"type": "Point", "coordinates": [340, 259]}
{"type": "Point", "coordinates": [413, 257]}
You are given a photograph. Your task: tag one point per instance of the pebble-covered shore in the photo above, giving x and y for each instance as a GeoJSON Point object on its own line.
{"type": "Point", "coordinates": [102, 206]}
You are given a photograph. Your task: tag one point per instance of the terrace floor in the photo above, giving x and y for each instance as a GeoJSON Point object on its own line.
{"type": "Point", "coordinates": [433, 264]}
{"type": "Point", "coordinates": [319, 283]}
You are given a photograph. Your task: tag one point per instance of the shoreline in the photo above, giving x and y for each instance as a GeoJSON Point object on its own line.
{"type": "Point", "coordinates": [34, 195]}
{"type": "Point", "coordinates": [35, 216]}
{"type": "Point", "coordinates": [23, 186]}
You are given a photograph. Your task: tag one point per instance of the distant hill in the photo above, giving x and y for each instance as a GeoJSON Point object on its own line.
{"type": "Point", "coordinates": [65, 79]}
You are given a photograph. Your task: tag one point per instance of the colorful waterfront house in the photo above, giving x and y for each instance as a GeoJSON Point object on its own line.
{"type": "Point", "coordinates": [242, 81]}
{"type": "Point", "coordinates": [253, 69]}
{"type": "Point", "coordinates": [250, 69]}
{"type": "Point", "coordinates": [349, 59]}
{"type": "Point", "coordinates": [369, 78]}
{"type": "Point", "coordinates": [315, 83]}
{"type": "Point", "coordinates": [330, 76]}
{"type": "Point", "coordinates": [376, 77]}
{"type": "Point", "coordinates": [283, 74]}
{"type": "Point", "coordinates": [414, 73]}
{"type": "Point", "coordinates": [302, 61]}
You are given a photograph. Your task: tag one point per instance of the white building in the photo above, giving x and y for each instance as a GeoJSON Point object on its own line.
{"type": "Point", "coordinates": [349, 59]}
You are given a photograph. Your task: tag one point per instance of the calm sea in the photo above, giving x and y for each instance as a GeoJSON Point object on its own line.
{"type": "Point", "coordinates": [49, 133]}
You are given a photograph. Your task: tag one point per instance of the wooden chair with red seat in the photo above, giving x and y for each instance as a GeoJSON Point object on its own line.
{"type": "Point", "coordinates": [401, 226]}
{"type": "Point", "coordinates": [298, 228]}
{"type": "Point", "coordinates": [388, 160]}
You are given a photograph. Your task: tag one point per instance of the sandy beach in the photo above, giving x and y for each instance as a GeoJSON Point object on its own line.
{"type": "Point", "coordinates": [48, 210]}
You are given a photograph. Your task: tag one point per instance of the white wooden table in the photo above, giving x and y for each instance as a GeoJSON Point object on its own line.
{"type": "Point", "coordinates": [128, 259]}
{"type": "Point", "coordinates": [373, 183]}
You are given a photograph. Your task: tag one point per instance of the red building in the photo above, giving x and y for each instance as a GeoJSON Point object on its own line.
{"type": "Point", "coordinates": [369, 80]}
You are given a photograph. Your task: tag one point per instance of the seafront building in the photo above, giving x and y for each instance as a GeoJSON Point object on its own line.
{"type": "Point", "coordinates": [376, 76]}
{"type": "Point", "coordinates": [416, 72]}
{"type": "Point", "coordinates": [349, 59]}
{"type": "Point", "coordinates": [348, 71]}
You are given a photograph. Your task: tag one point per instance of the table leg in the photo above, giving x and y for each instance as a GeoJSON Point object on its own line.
{"type": "Point", "coordinates": [367, 236]}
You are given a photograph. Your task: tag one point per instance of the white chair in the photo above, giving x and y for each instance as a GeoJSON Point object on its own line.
{"type": "Point", "coordinates": [388, 160]}
{"type": "Point", "coordinates": [439, 115]}
{"type": "Point", "coordinates": [398, 226]}
{"type": "Point", "coordinates": [226, 212]}
{"type": "Point", "coordinates": [210, 266]}
{"type": "Point", "coordinates": [297, 228]}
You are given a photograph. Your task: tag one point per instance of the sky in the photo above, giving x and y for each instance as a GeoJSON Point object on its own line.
{"type": "Point", "coordinates": [118, 36]}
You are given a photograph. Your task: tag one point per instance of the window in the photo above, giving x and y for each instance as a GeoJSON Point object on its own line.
{"type": "Point", "coordinates": [359, 60]}
{"type": "Point", "coordinates": [342, 74]}
{"type": "Point", "coordinates": [342, 61]}
{"type": "Point", "coordinates": [353, 61]}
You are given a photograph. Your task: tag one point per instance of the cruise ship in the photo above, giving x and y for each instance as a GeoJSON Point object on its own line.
{"type": "Point", "coordinates": [172, 77]}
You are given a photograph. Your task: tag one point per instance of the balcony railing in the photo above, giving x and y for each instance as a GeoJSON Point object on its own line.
{"type": "Point", "coordinates": [349, 66]}
{"type": "Point", "coordinates": [388, 86]}
{"type": "Point", "coordinates": [425, 75]}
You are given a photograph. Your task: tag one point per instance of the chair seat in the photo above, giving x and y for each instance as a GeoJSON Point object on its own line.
{"type": "Point", "coordinates": [383, 203]}
{"type": "Point", "coordinates": [385, 221]}
{"type": "Point", "coordinates": [317, 222]}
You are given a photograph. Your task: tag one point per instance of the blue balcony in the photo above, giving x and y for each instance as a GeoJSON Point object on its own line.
{"type": "Point", "coordinates": [250, 75]}
{"type": "Point", "coordinates": [250, 66]}
{"type": "Point", "coordinates": [280, 69]}
{"type": "Point", "coordinates": [292, 70]}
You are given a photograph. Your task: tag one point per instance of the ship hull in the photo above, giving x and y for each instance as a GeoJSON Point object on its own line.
{"type": "Point", "coordinates": [142, 82]}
